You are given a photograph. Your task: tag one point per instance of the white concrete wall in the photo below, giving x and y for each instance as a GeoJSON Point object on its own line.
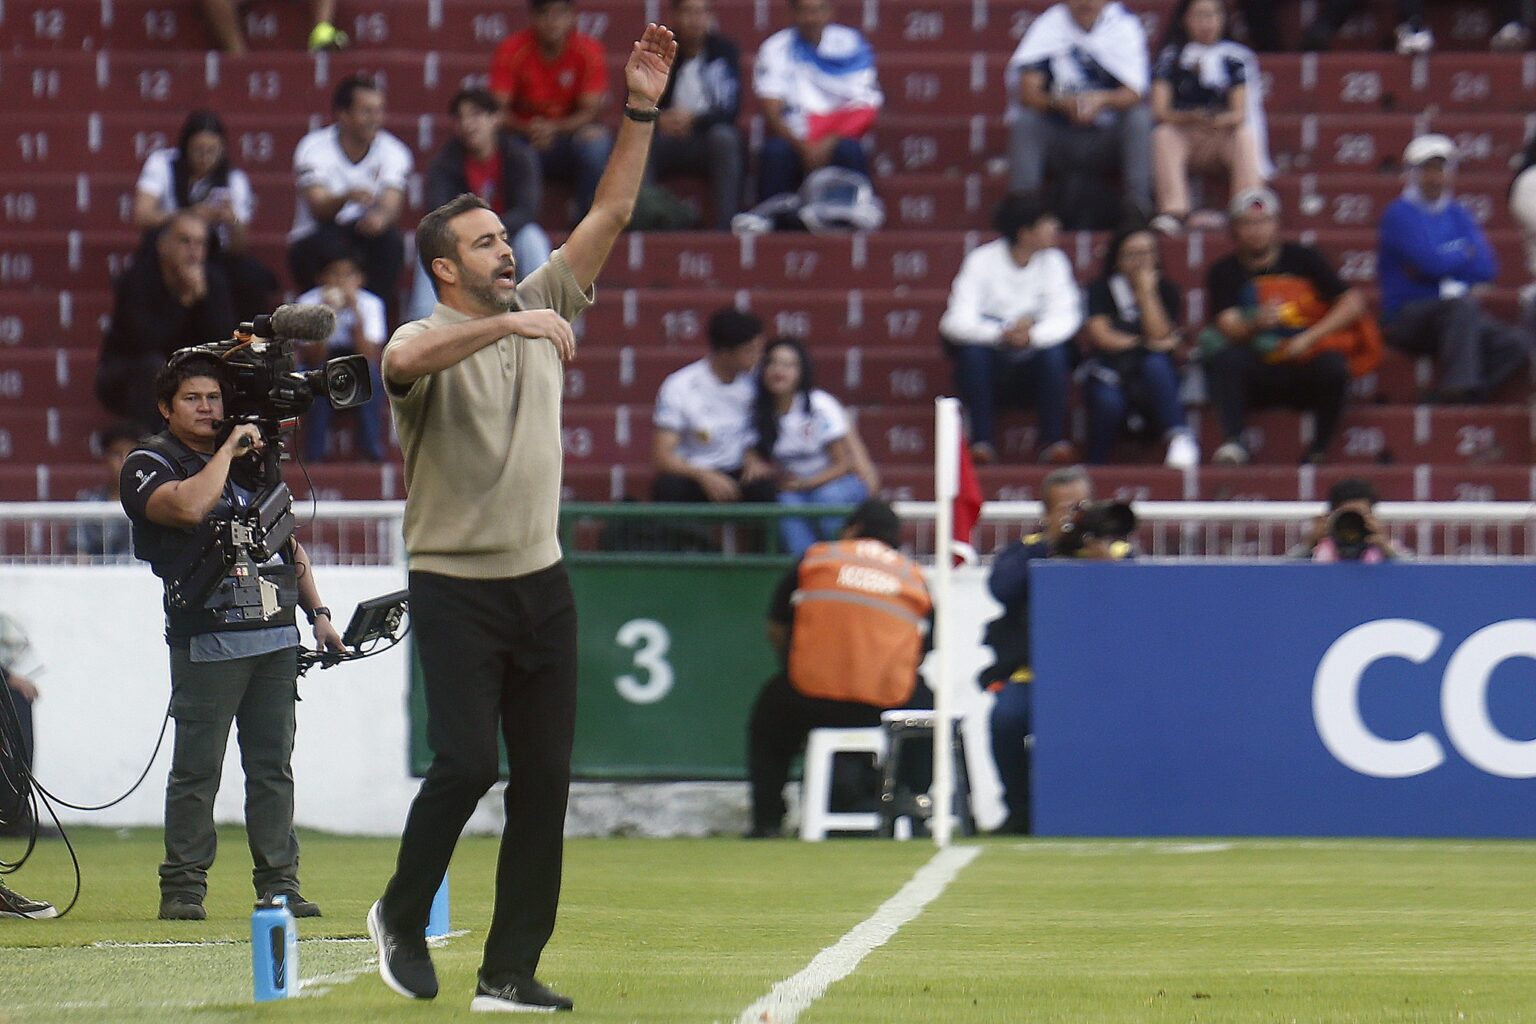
{"type": "Point", "coordinates": [99, 633]}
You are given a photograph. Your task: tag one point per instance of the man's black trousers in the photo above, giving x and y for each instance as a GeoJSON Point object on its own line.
{"type": "Point", "coordinates": [498, 659]}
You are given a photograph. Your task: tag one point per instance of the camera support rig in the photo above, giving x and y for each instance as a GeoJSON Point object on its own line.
{"type": "Point", "coordinates": [265, 388]}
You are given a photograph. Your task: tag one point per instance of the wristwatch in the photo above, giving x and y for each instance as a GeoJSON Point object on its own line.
{"type": "Point", "coordinates": [313, 615]}
{"type": "Point", "coordinates": [643, 116]}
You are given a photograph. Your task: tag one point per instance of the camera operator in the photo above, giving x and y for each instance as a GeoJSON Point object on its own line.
{"type": "Point", "coordinates": [1065, 493]}
{"type": "Point", "coordinates": [1348, 531]}
{"type": "Point", "coordinates": [222, 671]}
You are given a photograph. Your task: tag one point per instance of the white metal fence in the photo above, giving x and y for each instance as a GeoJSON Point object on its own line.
{"type": "Point", "coordinates": [369, 532]}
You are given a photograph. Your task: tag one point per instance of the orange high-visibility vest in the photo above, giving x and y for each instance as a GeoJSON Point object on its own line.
{"type": "Point", "coordinates": [860, 611]}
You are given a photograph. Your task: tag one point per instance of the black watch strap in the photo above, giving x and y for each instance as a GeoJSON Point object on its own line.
{"type": "Point", "coordinates": [313, 615]}
{"type": "Point", "coordinates": [643, 116]}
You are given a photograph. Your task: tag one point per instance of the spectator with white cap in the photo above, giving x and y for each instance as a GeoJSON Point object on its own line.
{"type": "Point", "coordinates": [1431, 255]}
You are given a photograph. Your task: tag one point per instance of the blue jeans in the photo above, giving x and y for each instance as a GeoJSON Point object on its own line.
{"type": "Point", "coordinates": [579, 159]}
{"type": "Point", "coordinates": [1151, 389]}
{"type": "Point", "coordinates": [369, 426]}
{"type": "Point", "coordinates": [1010, 726]}
{"type": "Point", "coordinates": [530, 248]}
{"type": "Point", "coordinates": [779, 168]}
{"type": "Point", "coordinates": [987, 376]}
{"type": "Point", "coordinates": [799, 534]}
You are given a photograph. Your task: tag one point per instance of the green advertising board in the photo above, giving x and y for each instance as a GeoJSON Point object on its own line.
{"type": "Point", "coordinates": [672, 653]}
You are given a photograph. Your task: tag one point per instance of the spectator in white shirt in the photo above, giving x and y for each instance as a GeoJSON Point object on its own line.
{"type": "Point", "coordinates": [360, 330]}
{"type": "Point", "coordinates": [703, 420]}
{"type": "Point", "coordinates": [1013, 309]}
{"type": "Point", "coordinates": [819, 93]}
{"type": "Point", "coordinates": [351, 178]}
{"type": "Point", "coordinates": [803, 434]}
{"type": "Point", "coordinates": [697, 134]}
{"type": "Point", "coordinates": [1077, 87]}
{"type": "Point", "coordinates": [195, 175]}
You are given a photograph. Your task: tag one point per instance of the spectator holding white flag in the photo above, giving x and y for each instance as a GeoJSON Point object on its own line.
{"type": "Point", "coordinates": [820, 95]}
{"type": "Point", "coordinates": [1077, 86]}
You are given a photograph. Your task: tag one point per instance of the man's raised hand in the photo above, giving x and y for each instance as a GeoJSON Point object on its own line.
{"type": "Point", "coordinates": [650, 62]}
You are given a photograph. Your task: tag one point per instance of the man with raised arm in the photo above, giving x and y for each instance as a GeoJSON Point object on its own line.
{"type": "Point", "coordinates": [475, 389]}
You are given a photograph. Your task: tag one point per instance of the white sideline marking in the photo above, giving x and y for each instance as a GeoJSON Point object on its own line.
{"type": "Point", "coordinates": [794, 995]}
{"type": "Point", "coordinates": [177, 943]}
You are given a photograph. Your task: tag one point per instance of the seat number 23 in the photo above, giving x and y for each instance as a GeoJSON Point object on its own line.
{"type": "Point", "coordinates": [653, 676]}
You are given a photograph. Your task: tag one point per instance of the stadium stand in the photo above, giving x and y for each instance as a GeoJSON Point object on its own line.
{"type": "Point", "coordinates": [97, 84]}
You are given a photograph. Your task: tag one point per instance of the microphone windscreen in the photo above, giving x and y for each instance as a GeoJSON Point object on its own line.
{"type": "Point", "coordinates": [310, 322]}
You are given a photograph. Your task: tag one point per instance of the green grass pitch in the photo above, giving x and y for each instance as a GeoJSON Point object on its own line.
{"type": "Point", "coordinates": [673, 931]}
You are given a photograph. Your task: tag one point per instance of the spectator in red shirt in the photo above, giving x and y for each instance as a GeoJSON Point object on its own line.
{"type": "Point", "coordinates": [552, 84]}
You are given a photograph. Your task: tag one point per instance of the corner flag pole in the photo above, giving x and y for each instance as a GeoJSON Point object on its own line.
{"type": "Point", "coordinates": [946, 484]}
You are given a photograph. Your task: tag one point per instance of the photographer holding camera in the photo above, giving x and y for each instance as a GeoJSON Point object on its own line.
{"type": "Point", "coordinates": [1348, 531]}
{"type": "Point", "coordinates": [1074, 527]}
{"type": "Point", "coordinates": [231, 662]}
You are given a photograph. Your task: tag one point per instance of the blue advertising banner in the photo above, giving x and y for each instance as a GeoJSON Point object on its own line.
{"type": "Point", "coordinates": [1284, 699]}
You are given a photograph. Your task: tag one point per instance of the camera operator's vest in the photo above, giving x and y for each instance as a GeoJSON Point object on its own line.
{"type": "Point", "coordinates": [860, 611]}
{"type": "Point", "coordinates": [161, 546]}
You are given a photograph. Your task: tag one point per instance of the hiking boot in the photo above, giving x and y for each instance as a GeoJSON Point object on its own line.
{"type": "Point", "coordinates": [298, 906]}
{"type": "Point", "coordinates": [1231, 453]}
{"type": "Point", "coordinates": [517, 995]}
{"type": "Point", "coordinates": [14, 904]}
{"type": "Point", "coordinates": [404, 963]}
{"type": "Point", "coordinates": [182, 908]}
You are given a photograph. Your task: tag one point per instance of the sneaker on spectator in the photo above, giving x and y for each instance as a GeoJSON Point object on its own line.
{"type": "Point", "coordinates": [1528, 299]}
{"type": "Point", "coordinates": [1183, 451]}
{"type": "Point", "coordinates": [983, 454]}
{"type": "Point", "coordinates": [326, 36]}
{"type": "Point", "coordinates": [1059, 453]}
{"type": "Point", "coordinates": [1232, 453]}
{"type": "Point", "coordinates": [14, 904]}
{"type": "Point", "coordinates": [404, 963]}
{"type": "Point", "coordinates": [1412, 41]}
{"type": "Point", "coordinates": [1511, 37]}
{"type": "Point", "coordinates": [517, 995]}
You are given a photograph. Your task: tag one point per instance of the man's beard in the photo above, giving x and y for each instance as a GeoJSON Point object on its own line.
{"type": "Point", "coordinates": [483, 291]}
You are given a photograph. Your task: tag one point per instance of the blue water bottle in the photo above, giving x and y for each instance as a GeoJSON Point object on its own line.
{"type": "Point", "coordinates": [437, 920]}
{"type": "Point", "coordinates": [274, 950]}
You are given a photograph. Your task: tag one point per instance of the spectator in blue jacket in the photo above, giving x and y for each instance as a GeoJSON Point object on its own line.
{"type": "Point", "coordinates": [697, 134]}
{"type": "Point", "coordinates": [1432, 254]}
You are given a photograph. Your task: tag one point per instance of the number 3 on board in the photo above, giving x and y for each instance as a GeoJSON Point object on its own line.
{"type": "Point", "coordinates": [650, 641]}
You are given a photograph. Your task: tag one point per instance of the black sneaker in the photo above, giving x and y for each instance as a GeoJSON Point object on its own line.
{"type": "Point", "coordinates": [517, 995]}
{"type": "Point", "coordinates": [14, 904]}
{"type": "Point", "coordinates": [298, 906]}
{"type": "Point", "coordinates": [404, 963]}
{"type": "Point", "coordinates": [182, 908]}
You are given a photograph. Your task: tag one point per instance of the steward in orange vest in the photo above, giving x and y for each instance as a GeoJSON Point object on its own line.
{"type": "Point", "coordinates": [850, 621]}
{"type": "Point", "coordinates": [860, 612]}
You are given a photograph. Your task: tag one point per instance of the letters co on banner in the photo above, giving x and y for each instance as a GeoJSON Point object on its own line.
{"type": "Point", "coordinates": [1284, 699]}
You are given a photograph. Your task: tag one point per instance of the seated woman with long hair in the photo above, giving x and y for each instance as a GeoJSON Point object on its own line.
{"type": "Point", "coordinates": [804, 437]}
{"type": "Point", "coordinates": [196, 175]}
{"type": "Point", "coordinates": [1130, 335]}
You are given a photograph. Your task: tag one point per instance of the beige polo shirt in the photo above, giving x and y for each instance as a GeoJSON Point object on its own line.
{"type": "Point", "coordinates": [482, 444]}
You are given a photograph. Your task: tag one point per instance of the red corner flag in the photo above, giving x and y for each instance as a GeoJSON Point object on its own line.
{"type": "Point", "coordinates": [967, 507]}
